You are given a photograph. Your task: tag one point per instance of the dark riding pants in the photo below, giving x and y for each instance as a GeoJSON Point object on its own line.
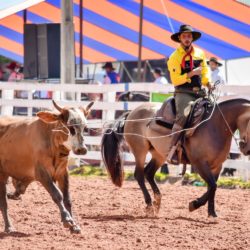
{"type": "Point", "coordinates": [182, 104]}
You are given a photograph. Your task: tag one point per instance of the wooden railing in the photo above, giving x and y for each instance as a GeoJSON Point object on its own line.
{"type": "Point", "coordinates": [108, 105]}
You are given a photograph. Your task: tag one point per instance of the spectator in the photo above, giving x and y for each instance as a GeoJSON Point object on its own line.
{"type": "Point", "coordinates": [111, 76]}
{"type": "Point", "coordinates": [159, 78]}
{"type": "Point", "coordinates": [16, 73]}
{"type": "Point", "coordinates": [1, 73]}
{"type": "Point", "coordinates": [214, 65]}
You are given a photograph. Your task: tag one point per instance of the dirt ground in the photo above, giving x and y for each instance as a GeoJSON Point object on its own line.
{"type": "Point", "coordinates": [113, 218]}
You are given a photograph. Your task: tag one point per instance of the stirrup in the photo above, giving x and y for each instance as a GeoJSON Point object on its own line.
{"type": "Point", "coordinates": [172, 157]}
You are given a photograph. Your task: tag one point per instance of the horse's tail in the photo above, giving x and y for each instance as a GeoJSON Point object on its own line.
{"type": "Point", "coordinates": [111, 151]}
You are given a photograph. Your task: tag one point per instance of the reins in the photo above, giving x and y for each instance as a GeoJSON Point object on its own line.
{"type": "Point", "coordinates": [237, 140]}
{"type": "Point", "coordinates": [113, 129]}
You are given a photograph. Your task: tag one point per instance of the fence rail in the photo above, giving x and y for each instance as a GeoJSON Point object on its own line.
{"type": "Point", "coordinates": [109, 105]}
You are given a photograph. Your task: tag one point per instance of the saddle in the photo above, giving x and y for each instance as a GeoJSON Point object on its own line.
{"type": "Point", "coordinates": [196, 112]}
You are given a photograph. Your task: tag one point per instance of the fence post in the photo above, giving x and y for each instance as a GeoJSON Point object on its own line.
{"type": "Point", "coordinates": [56, 95]}
{"type": "Point", "coordinates": [109, 115]}
{"type": "Point", "coordinates": [78, 96]}
{"type": "Point", "coordinates": [30, 109]}
{"type": "Point", "coordinates": [7, 94]}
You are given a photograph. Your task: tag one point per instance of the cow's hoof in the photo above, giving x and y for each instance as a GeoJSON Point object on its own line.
{"type": "Point", "coordinates": [68, 224]}
{"type": "Point", "coordinates": [75, 229]}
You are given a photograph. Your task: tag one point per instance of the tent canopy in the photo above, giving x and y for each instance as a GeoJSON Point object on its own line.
{"type": "Point", "coordinates": [111, 28]}
{"type": "Point", "coordinates": [10, 7]}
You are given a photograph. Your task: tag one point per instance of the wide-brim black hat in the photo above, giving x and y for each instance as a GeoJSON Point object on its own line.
{"type": "Point", "coordinates": [215, 60]}
{"type": "Point", "coordinates": [186, 29]}
{"type": "Point", "coordinates": [108, 65]}
{"type": "Point", "coordinates": [158, 71]}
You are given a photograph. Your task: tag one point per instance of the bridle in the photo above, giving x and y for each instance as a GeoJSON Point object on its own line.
{"type": "Point", "coordinates": [238, 141]}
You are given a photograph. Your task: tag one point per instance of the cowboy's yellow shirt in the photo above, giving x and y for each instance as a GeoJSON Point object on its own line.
{"type": "Point", "coordinates": [174, 65]}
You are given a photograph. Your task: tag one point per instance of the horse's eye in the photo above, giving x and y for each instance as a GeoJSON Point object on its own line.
{"type": "Point", "coordinates": [72, 131]}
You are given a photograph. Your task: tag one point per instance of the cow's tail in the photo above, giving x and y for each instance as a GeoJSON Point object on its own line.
{"type": "Point", "coordinates": [112, 150]}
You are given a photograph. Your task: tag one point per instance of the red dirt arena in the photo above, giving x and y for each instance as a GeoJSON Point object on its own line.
{"type": "Point", "coordinates": [113, 218]}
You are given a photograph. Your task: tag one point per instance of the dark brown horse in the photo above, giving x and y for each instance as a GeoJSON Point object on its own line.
{"type": "Point", "coordinates": [207, 149]}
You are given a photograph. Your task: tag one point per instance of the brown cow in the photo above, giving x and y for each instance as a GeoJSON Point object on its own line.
{"type": "Point", "coordinates": [35, 149]}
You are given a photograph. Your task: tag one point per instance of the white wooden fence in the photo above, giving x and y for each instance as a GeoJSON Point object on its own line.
{"type": "Point", "coordinates": [108, 105]}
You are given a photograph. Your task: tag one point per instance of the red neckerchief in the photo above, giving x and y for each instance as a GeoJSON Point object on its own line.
{"type": "Point", "coordinates": [191, 59]}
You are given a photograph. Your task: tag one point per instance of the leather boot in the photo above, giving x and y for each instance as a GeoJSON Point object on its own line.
{"type": "Point", "coordinates": [172, 155]}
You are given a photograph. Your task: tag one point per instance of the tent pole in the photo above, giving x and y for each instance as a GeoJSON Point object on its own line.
{"type": "Point", "coordinates": [226, 75]}
{"type": "Point", "coordinates": [81, 38]}
{"type": "Point", "coordinates": [139, 65]}
{"type": "Point", "coordinates": [24, 16]}
{"type": "Point", "coordinates": [127, 72]}
{"type": "Point", "coordinates": [67, 45]}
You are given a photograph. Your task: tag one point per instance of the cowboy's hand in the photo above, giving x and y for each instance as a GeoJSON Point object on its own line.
{"type": "Point", "coordinates": [195, 72]}
{"type": "Point", "coordinates": [210, 87]}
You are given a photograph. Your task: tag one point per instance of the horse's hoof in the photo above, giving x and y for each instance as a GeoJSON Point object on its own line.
{"type": "Point", "coordinates": [150, 212]}
{"type": "Point", "coordinates": [191, 206]}
{"type": "Point", "coordinates": [156, 207]}
{"type": "Point", "coordinates": [75, 229]}
{"type": "Point", "coordinates": [212, 215]}
{"type": "Point", "coordinates": [9, 230]}
{"type": "Point", "coordinates": [13, 196]}
{"type": "Point", "coordinates": [157, 203]}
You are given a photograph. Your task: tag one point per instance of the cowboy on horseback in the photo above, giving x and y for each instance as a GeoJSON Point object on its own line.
{"type": "Point", "coordinates": [188, 70]}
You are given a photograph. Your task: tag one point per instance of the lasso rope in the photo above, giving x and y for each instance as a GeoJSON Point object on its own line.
{"type": "Point", "coordinates": [161, 136]}
{"type": "Point", "coordinates": [106, 124]}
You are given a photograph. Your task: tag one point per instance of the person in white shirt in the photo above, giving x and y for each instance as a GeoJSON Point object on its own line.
{"type": "Point", "coordinates": [217, 79]}
{"type": "Point", "coordinates": [216, 76]}
{"type": "Point", "coordinates": [159, 78]}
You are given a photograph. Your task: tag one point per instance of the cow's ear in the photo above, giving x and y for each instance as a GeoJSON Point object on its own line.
{"type": "Point", "coordinates": [48, 116]}
{"type": "Point", "coordinates": [86, 110]}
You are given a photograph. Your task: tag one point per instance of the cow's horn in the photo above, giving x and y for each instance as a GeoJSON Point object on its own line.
{"type": "Point", "coordinates": [57, 106]}
{"type": "Point", "coordinates": [89, 106]}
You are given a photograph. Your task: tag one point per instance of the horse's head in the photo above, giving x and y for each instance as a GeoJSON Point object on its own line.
{"type": "Point", "coordinates": [245, 139]}
{"type": "Point", "coordinates": [74, 120]}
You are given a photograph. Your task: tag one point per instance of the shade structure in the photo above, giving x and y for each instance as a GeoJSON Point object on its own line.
{"type": "Point", "coordinates": [111, 28]}
{"type": "Point", "coordinates": [10, 7]}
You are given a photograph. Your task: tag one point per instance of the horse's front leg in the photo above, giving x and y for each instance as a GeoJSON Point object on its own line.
{"type": "Point", "coordinates": [211, 202]}
{"type": "Point", "coordinates": [205, 172]}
